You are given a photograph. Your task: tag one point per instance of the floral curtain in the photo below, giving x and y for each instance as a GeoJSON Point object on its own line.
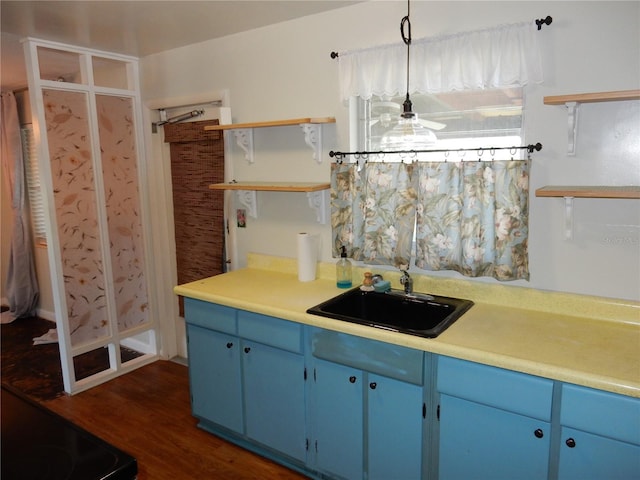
{"type": "Point", "coordinates": [472, 217]}
{"type": "Point", "coordinates": [373, 211]}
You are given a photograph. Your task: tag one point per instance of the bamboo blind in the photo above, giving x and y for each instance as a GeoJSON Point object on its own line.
{"type": "Point", "coordinates": [197, 160]}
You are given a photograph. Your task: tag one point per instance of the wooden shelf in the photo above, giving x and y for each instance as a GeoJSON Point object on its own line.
{"type": "Point", "coordinates": [271, 186]}
{"type": "Point", "coordinates": [317, 194]}
{"type": "Point", "coordinates": [572, 102]}
{"type": "Point", "coordinates": [632, 192]}
{"type": "Point", "coordinates": [273, 123]}
{"type": "Point", "coordinates": [569, 193]}
{"type": "Point", "coordinates": [311, 128]}
{"type": "Point", "coordinates": [593, 97]}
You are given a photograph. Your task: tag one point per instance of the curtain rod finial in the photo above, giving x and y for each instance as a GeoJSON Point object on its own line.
{"type": "Point", "coordinates": [544, 21]}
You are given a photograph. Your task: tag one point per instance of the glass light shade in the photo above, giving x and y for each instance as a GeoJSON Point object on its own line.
{"type": "Point", "coordinates": [408, 134]}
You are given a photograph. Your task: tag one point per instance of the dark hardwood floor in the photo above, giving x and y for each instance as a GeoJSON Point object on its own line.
{"type": "Point", "coordinates": [147, 414]}
{"type": "Point", "coordinates": [35, 370]}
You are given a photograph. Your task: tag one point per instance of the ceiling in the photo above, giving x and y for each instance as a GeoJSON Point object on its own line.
{"type": "Point", "coordinates": [136, 27]}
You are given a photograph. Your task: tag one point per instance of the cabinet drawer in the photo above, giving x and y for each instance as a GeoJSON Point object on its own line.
{"type": "Point", "coordinates": [210, 315]}
{"type": "Point", "coordinates": [603, 413]}
{"type": "Point", "coordinates": [504, 389]}
{"type": "Point", "coordinates": [270, 331]}
{"type": "Point", "coordinates": [373, 356]}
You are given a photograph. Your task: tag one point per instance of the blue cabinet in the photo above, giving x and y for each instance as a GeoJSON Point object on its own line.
{"type": "Point", "coordinates": [338, 406]}
{"type": "Point", "coordinates": [247, 375]}
{"type": "Point", "coordinates": [481, 442]}
{"type": "Point", "coordinates": [274, 398]}
{"type": "Point", "coordinates": [216, 391]}
{"type": "Point", "coordinates": [494, 423]}
{"type": "Point", "coordinates": [368, 410]}
{"type": "Point", "coordinates": [600, 435]}
{"type": "Point", "coordinates": [338, 419]}
{"type": "Point", "coordinates": [499, 424]}
{"type": "Point", "coordinates": [395, 424]}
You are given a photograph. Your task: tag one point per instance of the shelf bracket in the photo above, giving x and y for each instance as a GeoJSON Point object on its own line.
{"type": "Point", "coordinates": [248, 199]}
{"type": "Point", "coordinates": [244, 139]}
{"type": "Point", "coordinates": [568, 218]}
{"type": "Point", "coordinates": [313, 138]}
{"type": "Point", "coordinates": [319, 201]}
{"type": "Point", "coordinates": [572, 126]}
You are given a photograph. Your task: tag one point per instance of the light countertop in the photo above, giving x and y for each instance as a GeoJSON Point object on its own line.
{"type": "Point", "coordinates": [579, 339]}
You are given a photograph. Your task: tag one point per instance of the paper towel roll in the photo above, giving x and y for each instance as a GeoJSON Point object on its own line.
{"type": "Point", "coordinates": [307, 257]}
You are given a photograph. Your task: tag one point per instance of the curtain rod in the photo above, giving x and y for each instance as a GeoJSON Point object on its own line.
{"type": "Point", "coordinates": [179, 118]}
{"type": "Point", "coordinates": [539, 22]}
{"type": "Point", "coordinates": [530, 148]}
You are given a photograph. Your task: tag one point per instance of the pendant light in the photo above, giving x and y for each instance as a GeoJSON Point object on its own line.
{"type": "Point", "coordinates": [409, 133]}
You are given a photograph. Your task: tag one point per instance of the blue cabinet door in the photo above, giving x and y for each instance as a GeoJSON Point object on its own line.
{"type": "Point", "coordinates": [274, 398]}
{"type": "Point", "coordinates": [587, 456]}
{"type": "Point", "coordinates": [394, 429]}
{"type": "Point", "coordinates": [591, 457]}
{"type": "Point", "coordinates": [480, 442]}
{"type": "Point", "coordinates": [214, 370]}
{"type": "Point", "coordinates": [339, 419]}
{"type": "Point", "coordinates": [600, 435]}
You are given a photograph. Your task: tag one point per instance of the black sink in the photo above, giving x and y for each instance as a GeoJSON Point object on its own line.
{"type": "Point", "coordinates": [416, 314]}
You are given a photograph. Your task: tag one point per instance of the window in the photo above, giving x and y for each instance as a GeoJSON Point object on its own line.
{"type": "Point", "coordinates": [462, 119]}
{"type": "Point", "coordinates": [465, 211]}
{"type": "Point", "coordinates": [32, 173]}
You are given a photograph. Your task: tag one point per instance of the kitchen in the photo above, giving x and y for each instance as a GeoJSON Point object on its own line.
{"type": "Point", "coordinates": [282, 71]}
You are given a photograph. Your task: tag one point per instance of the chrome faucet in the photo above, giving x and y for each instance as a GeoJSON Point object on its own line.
{"type": "Point", "coordinates": [407, 281]}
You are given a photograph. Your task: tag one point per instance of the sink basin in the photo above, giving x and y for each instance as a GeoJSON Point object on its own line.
{"type": "Point", "coordinates": [415, 314]}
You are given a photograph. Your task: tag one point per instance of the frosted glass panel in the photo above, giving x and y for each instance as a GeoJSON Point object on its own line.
{"type": "Point", "coordinates": [61, 66]}
{"type": "Point", "coordinates": [76, 213]}
{"type": "Point", "coordinates": [120, 173]}
{"type": "Point", "coordinates": [110, 73]}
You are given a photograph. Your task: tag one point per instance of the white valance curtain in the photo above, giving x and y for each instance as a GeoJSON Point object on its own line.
{"type": "Point", "coordinates": [499, 57]}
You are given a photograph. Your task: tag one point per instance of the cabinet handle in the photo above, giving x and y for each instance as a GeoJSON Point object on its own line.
{"type": "Point", "coordinates": [247, 349]}
{"type": "Point", "coordinates": [539, 433]}
{"type": "Point", "coordinates": [373, 385]}
{"type": "Point", "coordinates": [570, 442]}
{"type": "Point", "coordinates": [352, 379]}
{"type": "Point", "coordinates": [229, 344]}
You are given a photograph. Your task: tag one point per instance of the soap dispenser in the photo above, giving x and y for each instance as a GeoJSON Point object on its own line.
{"type": "Point", "coordinates": [343, 270]}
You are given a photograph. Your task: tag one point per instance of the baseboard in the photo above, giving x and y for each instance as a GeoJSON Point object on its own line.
{"type": "Point", "coordinates": [51, 316]}
{"type": "Point", "coordinates": [180, 360]}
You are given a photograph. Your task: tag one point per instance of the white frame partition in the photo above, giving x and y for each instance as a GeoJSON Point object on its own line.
{"type": "Point", "coordinates": [143, 337]}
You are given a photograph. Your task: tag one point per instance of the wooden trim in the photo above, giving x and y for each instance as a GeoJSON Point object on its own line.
{"type": "Point", "coordinates": [273, 123]}
{"type": "Point", "coordinates": [593, 97]}
{"type": "Point", "coordinates": [271, 186]}
{"type": "Point", "coordinates": [630, 192]}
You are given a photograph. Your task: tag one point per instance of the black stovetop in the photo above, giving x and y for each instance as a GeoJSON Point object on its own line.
{"type": "Point", "coordinates": [38, 444]}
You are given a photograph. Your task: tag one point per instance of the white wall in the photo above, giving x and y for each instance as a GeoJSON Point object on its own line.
{"type": "Point", "coordinates": [285, 71]}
